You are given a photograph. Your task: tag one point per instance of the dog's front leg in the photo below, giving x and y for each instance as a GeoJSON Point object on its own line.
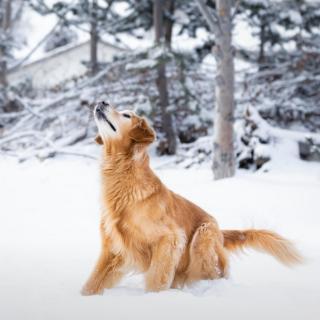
{"type": "Point", "coordinates": [106, 273]}
{"type": "Point", "coordinates": [166, 255]}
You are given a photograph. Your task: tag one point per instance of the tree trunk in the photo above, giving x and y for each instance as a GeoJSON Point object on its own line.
{"type": "Point", "coordinates": [261, 58]}
{"type": "Point", "coordinates": [166, 117]}
{"type": "Point", "coordinates": [4, 29]}
{"type": "Point", "coordinates": [168, 22]}
{"type": "Point", "coordinates": [223, 156]}
{"type": "Point", "coordinates": [3, 70]}
{"type": "Point", "coordinates": [94, 39]}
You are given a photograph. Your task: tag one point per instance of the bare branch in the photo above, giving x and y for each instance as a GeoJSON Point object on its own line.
{"type": "Point", "coordinates": [10, 115]}
{"type": "Point", "coordinates": [19, 135]}
{"type": "Point", "coordinates": [78, 154]}
{"type": "Point", "coordinates": [28, 108]}
{"type": "Point", "coordinates": [236, 8]}
{"type": "Point", "coordinates": [18, 12]}
{"type": "Point", "coordinates": [211, 19]}
{"type": "Point", "coordinates": [44, 39]}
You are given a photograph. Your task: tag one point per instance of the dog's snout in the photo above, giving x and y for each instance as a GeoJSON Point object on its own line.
{"type": "Point", "coordinates": [101, 106]}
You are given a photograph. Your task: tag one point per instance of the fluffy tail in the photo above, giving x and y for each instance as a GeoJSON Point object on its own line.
{"type": "Point", "coordinates": [265, 241]}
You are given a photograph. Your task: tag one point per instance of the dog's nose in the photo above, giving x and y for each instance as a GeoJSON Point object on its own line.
{"type": "Point", "coordinates": [102, 105]}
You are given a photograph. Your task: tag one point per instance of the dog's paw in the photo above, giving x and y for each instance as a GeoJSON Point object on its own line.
{"type": "Point", "coordinates": [86, 291]}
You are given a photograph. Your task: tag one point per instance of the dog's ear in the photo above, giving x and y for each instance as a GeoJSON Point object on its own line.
{"type": "Point", "coordinates": [98, 139]}
{"type": "Point", "coordinates": [142, 132]}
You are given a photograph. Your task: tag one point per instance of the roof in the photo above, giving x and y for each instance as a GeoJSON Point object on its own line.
{"type": "Point", "coordinates": [61, 50]}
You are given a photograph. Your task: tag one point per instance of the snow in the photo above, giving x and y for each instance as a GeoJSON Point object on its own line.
{"type": "Point", "coordinates": [143, 64]}
{"type": "Point", "coordinates": [49, 240]}
{"type": "Point", "coordinates": [295, 17]}
{"type": "Point", "coordinates": [242, 35]}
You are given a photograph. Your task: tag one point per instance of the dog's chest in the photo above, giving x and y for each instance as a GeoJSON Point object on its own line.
{"type": "Point", "coordinates": [133, 235]}
{"type": "Point", "coordinates": [126, 237]}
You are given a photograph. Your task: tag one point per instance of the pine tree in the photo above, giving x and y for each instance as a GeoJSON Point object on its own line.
{"type": "Point", "coordinates": [263, 15]}
{"type": "Point", "coordinates": [301, 17]}
{"type": "Point", "coordinates": [304, 18]}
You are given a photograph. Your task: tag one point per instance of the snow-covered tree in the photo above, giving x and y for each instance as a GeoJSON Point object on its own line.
{"type": "Point", "coordinates": [278, 23]}
{"type": "Point", "coordinates": [302, 18]}
{"type": "Point", "coordinates": [139, 16]}
{"type": "Point", "coordinates": [286, 93]}
{"type": "Point", "coordinates": [263, 16]}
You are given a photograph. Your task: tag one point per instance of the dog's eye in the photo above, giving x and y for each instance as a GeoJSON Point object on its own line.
{"type": "Point", "coordinates": [126, 115]}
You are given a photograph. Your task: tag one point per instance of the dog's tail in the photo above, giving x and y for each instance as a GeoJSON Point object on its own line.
{"type": "Point", "coordinates": [263, 240]}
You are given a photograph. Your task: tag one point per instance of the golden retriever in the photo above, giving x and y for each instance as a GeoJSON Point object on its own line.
{"type": "Point", "coordinates": [147, 228]}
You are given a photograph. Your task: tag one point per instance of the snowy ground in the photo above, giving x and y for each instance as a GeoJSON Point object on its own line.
{"type": "Point", "coordinates": [49, 241]}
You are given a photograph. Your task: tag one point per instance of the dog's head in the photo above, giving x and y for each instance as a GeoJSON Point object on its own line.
{"type": "Point", "coordinates": [121, 131]}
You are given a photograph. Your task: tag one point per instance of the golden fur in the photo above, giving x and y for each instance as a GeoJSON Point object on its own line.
{"type": "Point", "coordinates": [150, 229]}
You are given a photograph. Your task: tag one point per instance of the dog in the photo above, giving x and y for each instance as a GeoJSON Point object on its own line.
{"type": "Point", "coordinates": [146, 227]}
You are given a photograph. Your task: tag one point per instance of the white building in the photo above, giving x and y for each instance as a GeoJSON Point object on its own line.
{"type": "Point", "coordinates": [61, 65]}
